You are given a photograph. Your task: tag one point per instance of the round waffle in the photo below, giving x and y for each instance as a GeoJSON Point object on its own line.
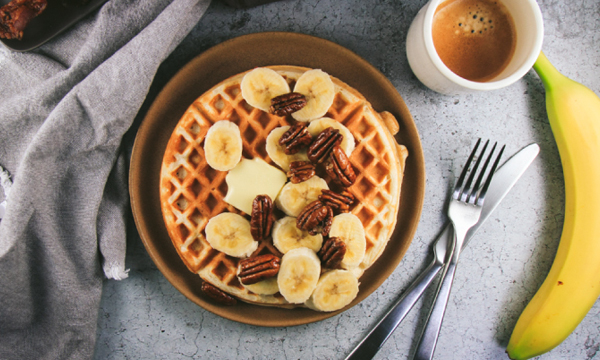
{"type": "Point", "coordinates": [191, 192]}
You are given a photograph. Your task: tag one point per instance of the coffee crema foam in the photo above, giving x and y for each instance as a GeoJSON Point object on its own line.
{"type": "Point", "coordinates": [474, 38]}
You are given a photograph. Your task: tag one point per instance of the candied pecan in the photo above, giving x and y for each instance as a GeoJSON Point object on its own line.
{"type": "Point", "coordinates": [340, 202]}
{"type": "Point", "coordinates": [286, 104]}
{"type": "Point", "coordinates": [332, 253]}
{"type": "Point", "coordinates": [301, 171]}
{"type": "Point", "coordinates": [258, 268]}
{"type": "Point", "coordinates": [339, 167]}
{"type": "Point", "coordinates": [323, 144]}
{"type": "Point", "coordinates": [261, 219]}
{"type": "Point", "coordinates": [217, 294]}
{"type": "Point", "coordinates": [16, 15]}
{"type": "Point", "coordinates": [295, 138]}
{"type": "Point", "coordinates": [315, 218]}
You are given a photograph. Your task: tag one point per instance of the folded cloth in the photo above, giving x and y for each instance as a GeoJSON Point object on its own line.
{"type": "Point", "coordinates": [5, 184]}
{"type": "Point", "coordinates": [64, 109]}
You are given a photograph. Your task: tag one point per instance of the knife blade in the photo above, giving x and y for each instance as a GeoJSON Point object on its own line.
{"type": "Point", "coordinates": [502, 182]}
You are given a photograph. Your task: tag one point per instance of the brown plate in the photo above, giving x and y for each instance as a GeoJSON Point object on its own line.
{"type": "Point", "coordinates": [52, 21]}
{"type": "Point", "coordinates": [233, 57]}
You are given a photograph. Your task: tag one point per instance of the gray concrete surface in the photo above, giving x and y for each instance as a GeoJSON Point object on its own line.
{"type": "Point", "coordinates": [144, 317]}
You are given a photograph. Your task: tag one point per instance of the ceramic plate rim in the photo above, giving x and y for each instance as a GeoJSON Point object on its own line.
{"type": "Point", "coordinates": [282, 48]}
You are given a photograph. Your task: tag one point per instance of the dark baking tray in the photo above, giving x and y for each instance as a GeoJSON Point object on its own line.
{"type": "Point", "coordinates": [55, 19]}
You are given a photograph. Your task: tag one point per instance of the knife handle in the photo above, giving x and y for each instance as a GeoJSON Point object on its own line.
{"type": "Point", "coordinates": [430, 334]}
{"type": "Point", "coordinates": [369, 346]}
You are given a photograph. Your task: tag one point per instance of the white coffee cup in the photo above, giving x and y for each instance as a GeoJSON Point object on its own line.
{"type": "Point", "coordinates": [431, 70]}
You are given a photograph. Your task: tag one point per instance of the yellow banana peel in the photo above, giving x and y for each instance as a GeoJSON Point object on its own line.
{"type": "Point", "coordinates": [573, 283]}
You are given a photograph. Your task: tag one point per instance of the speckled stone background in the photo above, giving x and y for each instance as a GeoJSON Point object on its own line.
{"type": "Point", "coordinates": [144, 317]}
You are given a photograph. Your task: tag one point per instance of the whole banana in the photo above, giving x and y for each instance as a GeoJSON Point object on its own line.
{"type": "Point", "coordinates": [573, 283]}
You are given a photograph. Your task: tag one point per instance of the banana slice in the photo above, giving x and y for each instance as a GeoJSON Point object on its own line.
{"type": "Point", "coordinates": [349, 228]}
{"type": "Point", "coordinates": [294, 197]}
{"type": "Point", "coordinates": [230, 234]}
{"type": "Point", "coordinates": [298, 274]}
{"type": "Point", "coordinates": [318, 88]}
{"type": "Point", "coordinates": [286, 236]}
{"type": "Point", "coordinates": [276, 153]}
{"type": "Point", "coordinates": [317, 126]}
{"type": "Point", "coordinates": [223, 145]}
{"type": "Point", "coordinates": [265, 287]}
{"type": "Point", "coordinates": [334, 290]}
{"type": "Point", "coordinates": [260, 85]}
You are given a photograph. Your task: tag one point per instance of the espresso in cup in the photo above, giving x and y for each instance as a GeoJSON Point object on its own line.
{"type": "Point", "coordinates": [474, 38]}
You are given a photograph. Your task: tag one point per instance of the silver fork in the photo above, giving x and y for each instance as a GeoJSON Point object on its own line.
{"type": "Point", "coordinates": [464, 211]}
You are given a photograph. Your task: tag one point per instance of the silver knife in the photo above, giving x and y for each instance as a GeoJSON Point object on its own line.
{"type": "Point", "coordinates": [504, 179]}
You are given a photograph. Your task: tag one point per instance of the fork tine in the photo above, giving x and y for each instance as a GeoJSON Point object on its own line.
{"type": "Point", "coordinates": [481, 197]}
{"type": "Point", "coordinates": [468, 190]}
{"type": "Point", "coordinates": [463, 174]}
{"type": "Point", "coordinates": [473, 195]}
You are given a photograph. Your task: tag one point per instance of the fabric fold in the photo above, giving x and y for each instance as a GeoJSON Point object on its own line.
{"type": "Point", "coordinates": [67, 106]}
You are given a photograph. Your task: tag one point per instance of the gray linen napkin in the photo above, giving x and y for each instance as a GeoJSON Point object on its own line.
{"type": "Point", "coordinates": [64, 109]}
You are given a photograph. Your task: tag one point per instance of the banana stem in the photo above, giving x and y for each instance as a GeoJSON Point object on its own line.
{"type": "Point", "coordinates": [547, 72]}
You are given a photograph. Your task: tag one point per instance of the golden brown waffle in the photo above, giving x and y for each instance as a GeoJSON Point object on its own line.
{"type": "Point", "coordinates": [191, 192]}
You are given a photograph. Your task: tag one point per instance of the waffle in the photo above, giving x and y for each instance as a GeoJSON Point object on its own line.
{"type": "Point", "coordinates": [191, 192]}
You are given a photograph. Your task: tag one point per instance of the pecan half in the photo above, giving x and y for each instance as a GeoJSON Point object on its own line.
{"type": "Point", "coordinates": [217, 294]}
{"type": "Point", "coordinates": [258, 268]}
{"type": "Point", "coordinates": [323, 144]}
{"type": "Point", "coordinates": [301, 171]}
{"type": "Point", "coordinates": [286, 104]}
{"type": "Point", "coordinates": [340, 202]}
{"type": "Point", "coordinates": [339, 167]}
{"type": "Point", "coordinates": [16, 15]}
{"type": "Point", "coordinates": [315, 218]}
{"type": "Point", "coordinates": [332, 253]}
{"type": "Point", "coordinates": [295, 138]}
{"type": "Point", "coordinates": [261, 219]}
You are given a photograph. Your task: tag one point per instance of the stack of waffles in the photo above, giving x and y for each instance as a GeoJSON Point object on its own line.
{"type": "Point", "coordinates": [192, 192]}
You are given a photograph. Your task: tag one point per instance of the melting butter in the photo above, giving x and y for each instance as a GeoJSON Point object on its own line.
{"type": "Point", "coordinates": [251, 178]}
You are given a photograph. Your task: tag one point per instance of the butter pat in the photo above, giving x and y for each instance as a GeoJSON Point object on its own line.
{"type": "Point", "coordinates": [251, 178]}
